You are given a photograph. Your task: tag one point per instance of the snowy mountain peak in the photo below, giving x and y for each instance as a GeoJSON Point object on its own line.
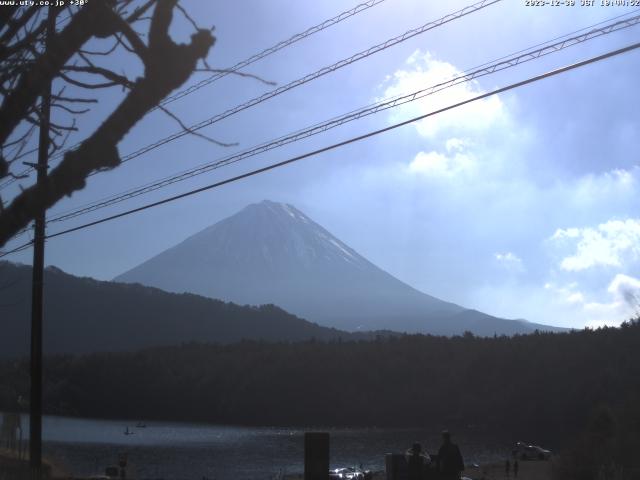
{"type": "Point", "coordinates": [283, 233]}
{"type": "Point", "coordinates": [278, 208]}
{"type": "Point", "coordinates": [271, 252]}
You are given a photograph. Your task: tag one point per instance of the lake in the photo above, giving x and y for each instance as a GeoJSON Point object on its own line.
{"type": "Point", "coordinates": [173, 451]}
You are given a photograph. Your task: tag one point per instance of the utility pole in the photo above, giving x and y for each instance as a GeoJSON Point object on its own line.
{"type": "Point", "coordinates": [35, 404]}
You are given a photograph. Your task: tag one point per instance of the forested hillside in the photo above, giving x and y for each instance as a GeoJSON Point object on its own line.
{"type": "Point", "coordinates": [540, 385]}
{"type": "Point", "coordinates": [84, 315]}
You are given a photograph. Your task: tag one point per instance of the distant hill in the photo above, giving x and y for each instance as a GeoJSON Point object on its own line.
{"type": "Point", "coordinates": [273, 253]}
{"type": "Point", "coordinates": [83, 315]}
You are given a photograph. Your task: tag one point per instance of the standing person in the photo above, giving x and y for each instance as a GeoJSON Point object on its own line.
{"type": "Point", "coordinates": [507, 467]}
{"type": "Point", "coordinates": [515, 468]}
{"type": "Point", "coordinates": [450, 462]}
{"type": "Point", "coordinates": [416, 462]}
{"type": "Point", "coordinates": [11, 425]}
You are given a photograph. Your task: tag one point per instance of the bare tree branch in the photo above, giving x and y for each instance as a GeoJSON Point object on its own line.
{"type": "Point", "coordinates": [89, 21]}
{"type": "Point", "coordinates": [90, 86]}
{"type": "Point", "coordinates": [238, 73]}
{"type": "Point", "coordinates": [167, 66]}
{"type": "Point", "coordinates": [108, 74]}
{"type": "Point", "coordinates": [107, 52]}
{"type": "Point", "coordinates": [13, 26]}
{"type": "Point", "coordinates": [139, 12]}
{"type": "Point", "coordinates": [188, 17]}
{"type": "Point", "coordinates": [72, 111]}
{"type": "Point", "coordinates": [194, 133]}
{"type": "Point", "coordinates": [137, 45]}
{"type": "Point", "coordinates": [74, 99]}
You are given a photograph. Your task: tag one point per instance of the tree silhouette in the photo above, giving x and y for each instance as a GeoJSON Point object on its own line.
{"type": "Point", "coordinates": [27, 67]}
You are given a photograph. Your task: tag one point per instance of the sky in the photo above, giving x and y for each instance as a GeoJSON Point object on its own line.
{"type": "Point", "coordinates": [521, 205]}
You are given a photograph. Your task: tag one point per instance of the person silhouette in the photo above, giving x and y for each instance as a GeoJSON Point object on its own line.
{"type": "Point", "coordinates": [507, 467]}
{"type": "Point", "coordinates": [515, 468]}
{"type": "Point", "coordinates": [10, 426]}
{"type": "Point", "coordinates": [450, 463]}
{"type": "Point", "coordinates": [415, 461]}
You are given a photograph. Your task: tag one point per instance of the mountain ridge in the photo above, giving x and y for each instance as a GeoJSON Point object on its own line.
{"type": "Point", "coordinates": [271, 252]}
{"type": "Point", "coordinates": [84, 315]}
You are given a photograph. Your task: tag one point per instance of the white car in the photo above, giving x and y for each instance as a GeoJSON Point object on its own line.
{"type": "Point", "coordinates": [349, 473]}
{"type": "Point", "coordinates": [525, 451]}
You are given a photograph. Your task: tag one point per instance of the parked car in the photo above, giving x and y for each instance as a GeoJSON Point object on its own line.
{"type": "Point", "coordinates": [349, 473]}
{"type": "Point", "coordinates": [525, 451]}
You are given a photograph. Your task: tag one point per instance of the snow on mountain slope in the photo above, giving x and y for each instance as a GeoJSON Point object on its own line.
{"type": "Point", "coordinates": [273, 253]}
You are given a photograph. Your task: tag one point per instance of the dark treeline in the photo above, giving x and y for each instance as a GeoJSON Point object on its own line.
{"type": "Point", "coordinates": [578, 390]}
{"type": "Point", "coordinates": [530, 385]}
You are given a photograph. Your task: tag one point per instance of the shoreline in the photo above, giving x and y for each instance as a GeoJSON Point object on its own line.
{"type": "Point", "coordinates": [10, 462]}
{"type": "Point", "coordinates": [528, 470]}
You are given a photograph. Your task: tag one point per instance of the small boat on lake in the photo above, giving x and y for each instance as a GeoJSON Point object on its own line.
{"type": "Point", "coordinates": [128, 432]}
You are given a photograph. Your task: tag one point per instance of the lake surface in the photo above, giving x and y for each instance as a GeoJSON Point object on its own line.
{"type": "Point", "coordinates": [175, 451]}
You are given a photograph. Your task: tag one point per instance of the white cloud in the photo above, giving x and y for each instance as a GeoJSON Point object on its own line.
{"type": "Point", "coordinates": [424, 71]}
{"type": "Point", "coordinates": [609, 244]}
{"type": "Point", "coordinates": [625, 300]}
{"type": "Point", "coordinates": [456, 144]}
{"type": "Point", "coordinates": [481, 132]}
{"type": "Point", "coordinates": [510, 261]}
{"type": "Point", "coordinates": [627, 289]}
{"type": "Point", "coordinates": [438, 164]}
{"type": "Point", "coordinates": [618, 181]}
{"type": "Point", "coordinates": [620, 303]}
{"type": "Point", "coordinates": [576, 297]}
{"type": "Point", "coordinates": [466, 193]}
{"type": "Point", "coordinates": [567, 294]}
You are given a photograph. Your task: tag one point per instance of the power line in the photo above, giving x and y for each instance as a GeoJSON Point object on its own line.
{"type": "Point", "coordinates": [353, 139]}
{"type": "Point", "coordinates": [303, 80]}
{"type": "Point", "coordinates": [275, 48]}
{"type": "Point", "coordinates": [339, 144]}
{"type": "Point", "coordinates": [475, 72]}
{"type": "Point", "coordinates": [608, 20]}
{"type": "Point", "coordinates": [24, 246]}
{"type": "Point", "coordinates": [356, 114]}
{"type": "Point", "coordinates": [238, 66]}
{"type": "Point", "coordinates": [472, 74]}
{"type": "Point", "coordinates": [313, 76]}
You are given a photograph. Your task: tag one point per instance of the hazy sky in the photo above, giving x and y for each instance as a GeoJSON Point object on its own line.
{"type": "Point", "coordinates": [523, 205]}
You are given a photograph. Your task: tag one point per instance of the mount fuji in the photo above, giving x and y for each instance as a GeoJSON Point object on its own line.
{"type": "Point", "coordinates": [272, 253]}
